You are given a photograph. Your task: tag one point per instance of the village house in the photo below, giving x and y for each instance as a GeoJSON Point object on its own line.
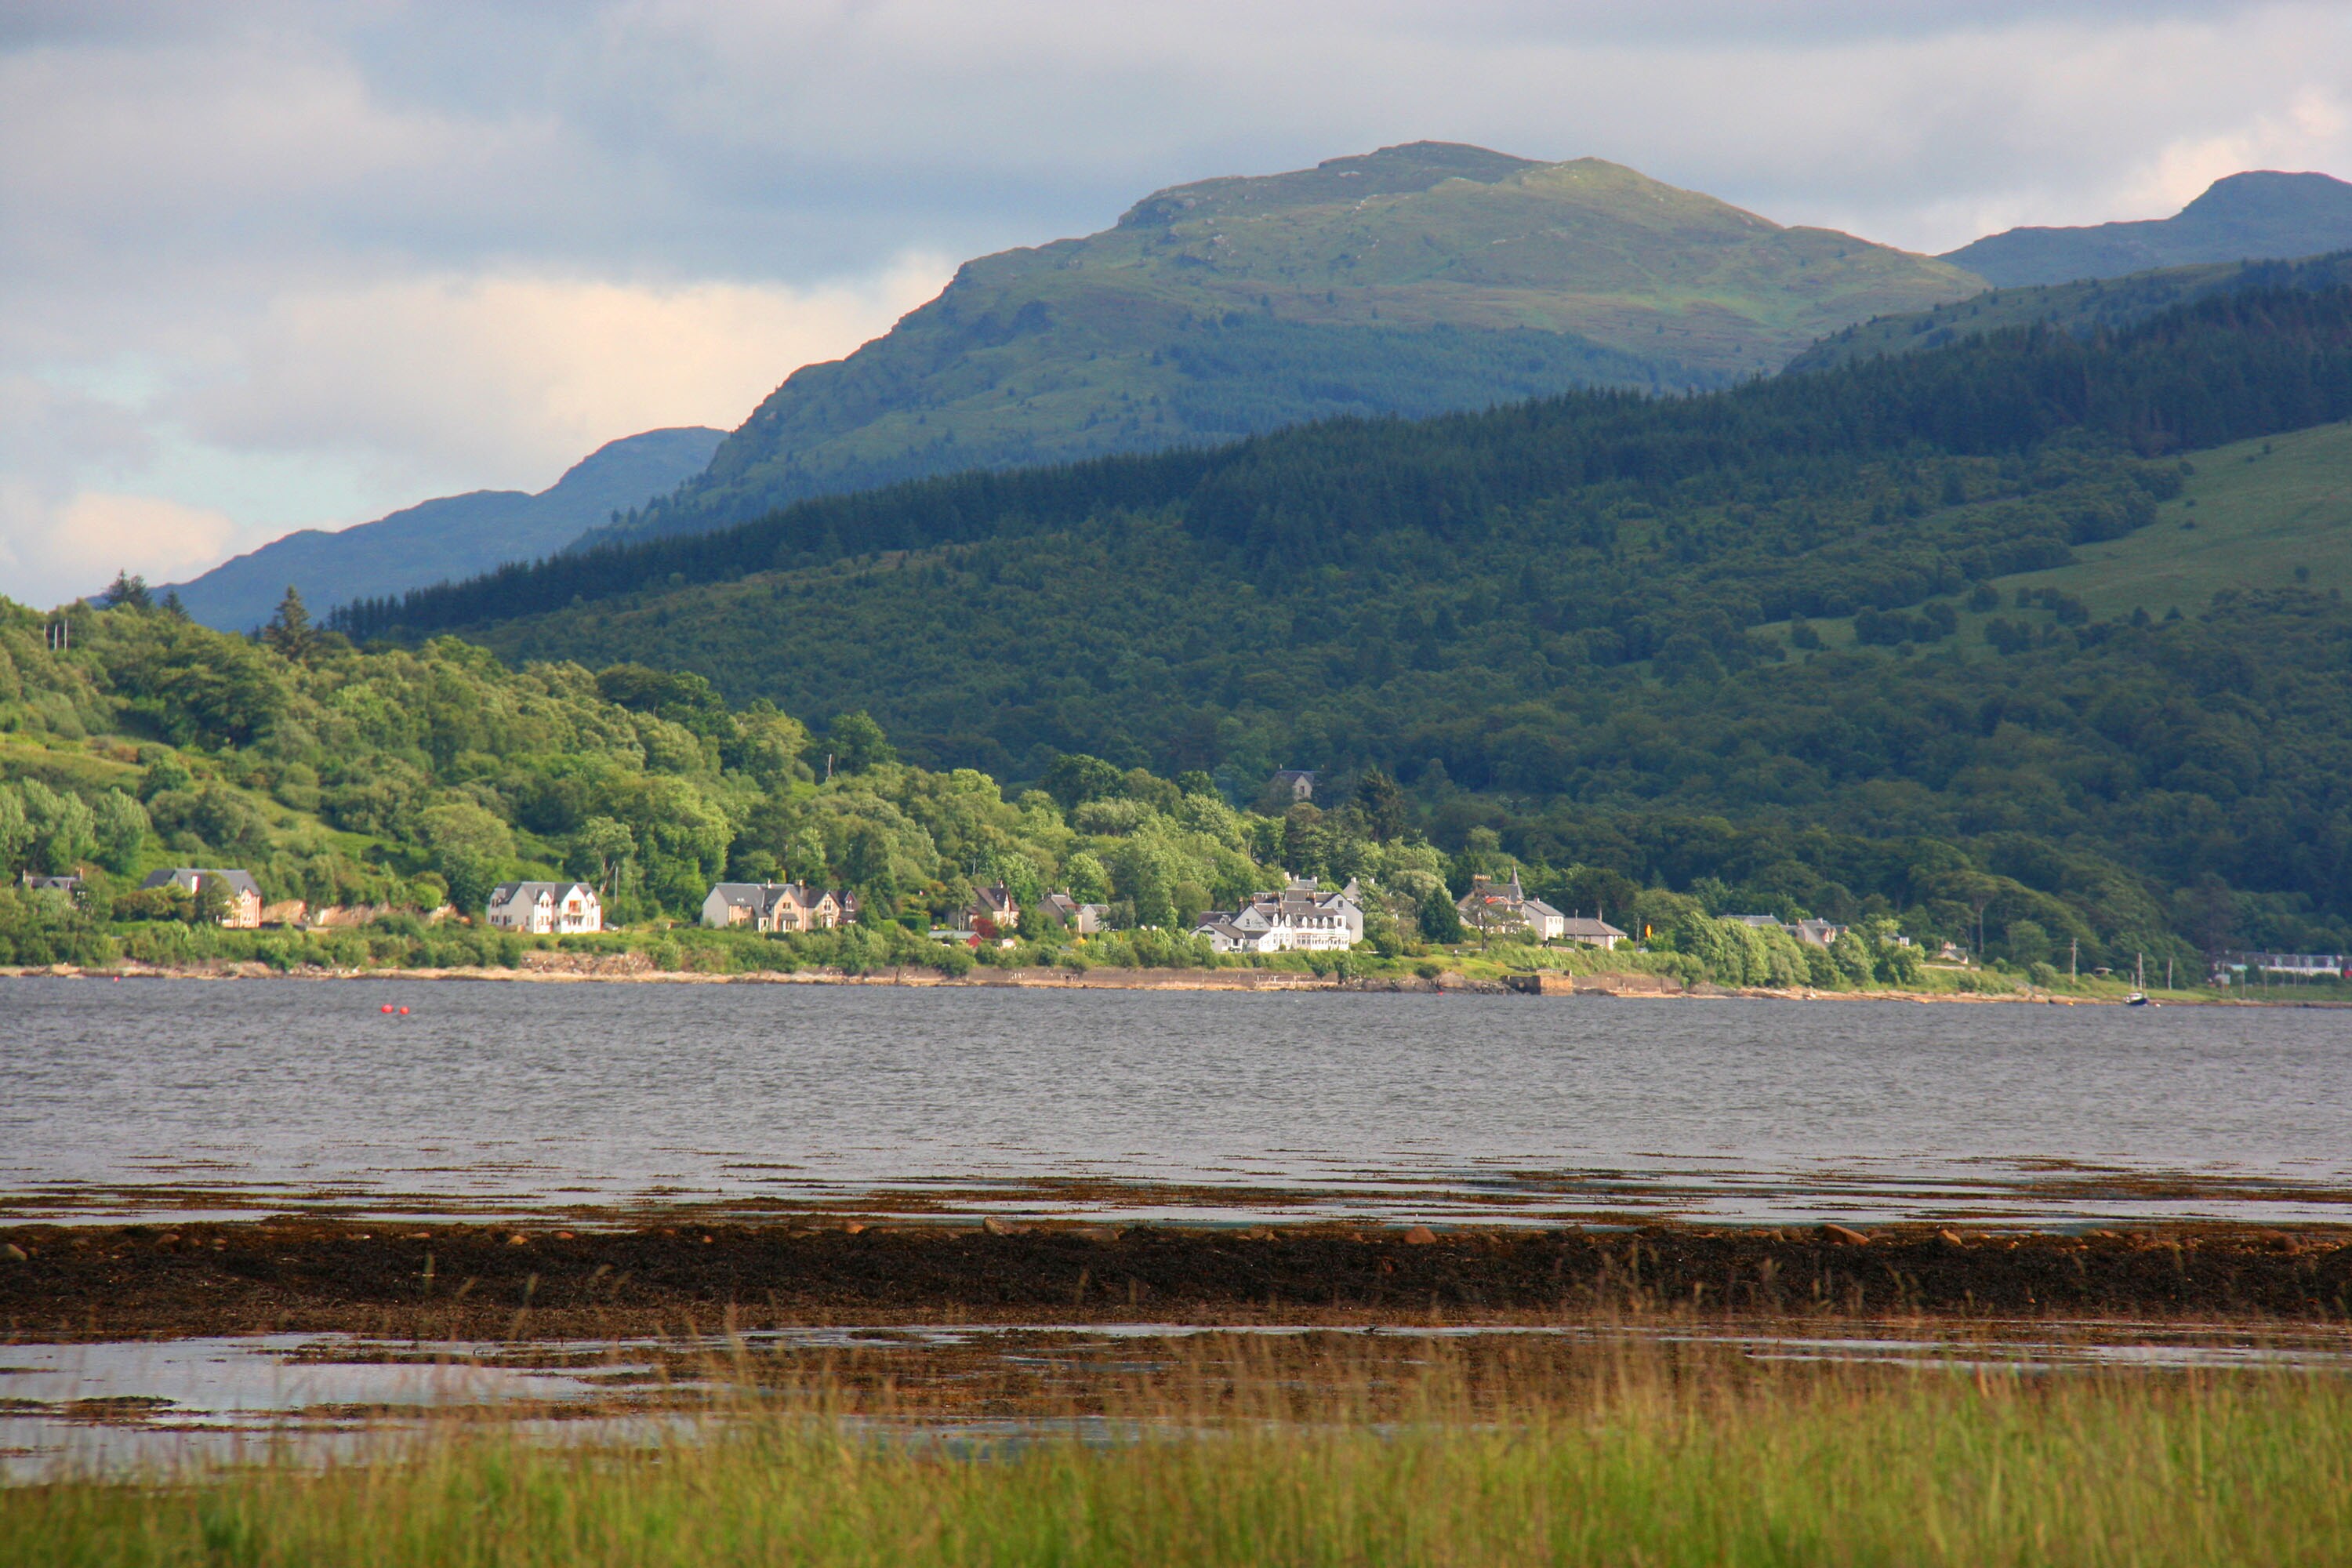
{"type": "Point", "coordinates": [243, 912]}
{"type": "Point", "coordinates": [1597, 933]}
{"type": "Point", "coordinates": [993, 907]}
{"type": "Point", "coordinates": [1298, 918]}
{"type": "Point", "coordinates": [1080, 920]}
{"type": "Point", "coordinates": [1814, 933]}
{"type": "Point", "coordinates": [546, 908]}
{"type": "Point", "coordinates": [779, 908]}
{"type": "Point", "coordinates": [1298, 783]}
{"type": "Point", "coordinates": [70, 886]}
{"type": "Point", "coordinates": [1496, 907]}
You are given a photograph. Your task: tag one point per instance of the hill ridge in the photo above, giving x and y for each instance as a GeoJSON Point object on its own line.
{"type": "Point", "coordinates": [1416, 279]}
{"type": "Point", "coordinates": [2258, 213]}
{"type": "Point", "coordinates": [447, 537]}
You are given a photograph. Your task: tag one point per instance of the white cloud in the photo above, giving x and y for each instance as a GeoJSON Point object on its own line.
{"type": "Point", "coordinates": [510, 379]}
{"type": "Point", "coordinates": [56, 552]}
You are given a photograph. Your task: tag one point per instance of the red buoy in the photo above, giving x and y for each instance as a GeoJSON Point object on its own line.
{"type": "Point", "coordinates": [387, 1006]}
{"type": "Point", "coordinates": [404, 1011]}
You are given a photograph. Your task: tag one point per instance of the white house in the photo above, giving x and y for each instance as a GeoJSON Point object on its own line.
{"type": "Point", "coordinates": [1296, 920]}
{"type": "Point", "coordinates": [543, 909]}
{"type": "Point", "coordinates": [1592, 934]}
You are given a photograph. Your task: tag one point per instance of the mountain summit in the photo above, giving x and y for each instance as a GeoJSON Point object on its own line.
{"type": "Point", "coordinates": [2258, 215]}
{"type": "Point", "coordinates": [1412, 280]}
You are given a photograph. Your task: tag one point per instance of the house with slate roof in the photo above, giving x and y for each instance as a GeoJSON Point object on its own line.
{"type": "Point", "coordinates": [546, 908]}
{"type": "Point", "coordinates": [1496, 907]}
{"type": "Point", "coordinates": [1298, 918]}
{"type": "Point", "coordinates": [1081, 919]}
{"type": "Point", "coordinates": [993, 905]}
{"type": "Point", "coordinates": [244, 912]}
{"type": "Point", "coordinates": [779, 907]}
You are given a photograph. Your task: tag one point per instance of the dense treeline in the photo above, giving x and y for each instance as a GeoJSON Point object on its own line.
{"type": "Point", "coordinates": [2213, 370]}
{"type": "Point", "coordinates": [2119, 793]}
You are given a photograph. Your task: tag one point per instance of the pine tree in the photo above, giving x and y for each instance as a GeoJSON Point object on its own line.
{"type": "Point", "coordinates": [289, 630]}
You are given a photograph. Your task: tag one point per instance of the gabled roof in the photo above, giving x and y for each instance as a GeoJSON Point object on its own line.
{"type": "Point", "coordinates": [1578, 926]}
{"type": "Point", "coordinates": [506, 892]}
{"type": "Point", "coordinates": [188, 876]}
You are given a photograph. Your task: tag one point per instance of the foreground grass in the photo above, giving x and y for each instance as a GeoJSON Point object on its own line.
{"type": "Point", "coordinates": [1647, 1465]}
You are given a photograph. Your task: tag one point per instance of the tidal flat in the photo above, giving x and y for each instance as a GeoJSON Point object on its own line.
{"type": "Point", "coordinates": [1338, 1449]}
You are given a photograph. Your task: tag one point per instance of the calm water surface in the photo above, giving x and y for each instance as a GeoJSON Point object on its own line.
{"type": "Point", "coordinates": [244, 1096]}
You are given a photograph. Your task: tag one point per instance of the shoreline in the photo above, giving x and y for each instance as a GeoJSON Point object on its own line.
{"type": "Point", "coordinates": [537, 1281]}
{"type": "Point", "coordinates": [631, 969]}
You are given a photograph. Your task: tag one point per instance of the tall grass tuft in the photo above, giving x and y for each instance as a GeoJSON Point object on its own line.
{"type": "Point", "coordinates": [1325, 1455]}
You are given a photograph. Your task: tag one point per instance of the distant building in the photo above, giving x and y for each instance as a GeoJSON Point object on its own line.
{"type": "Point", "coordinates": [546, 908]}
{"type": "Point", "coordinates": [1814, 933]}
{"type": "Point", "coordinates": [1298, 918]}
{"type": "Point", "coordinates": [1298, 783]}
{"type": "Point", "coordinates": [70, 886]}
{"type": "Point", "coordinates": [1500, 907]}
{"type": "Point", "coordinates": [2293, 965]}
{"type": "Point", "coordinates": [1597, 933]}
{"type": "Point", "coordinates": [244, 912]}
{"type": "Point", "coordinates": [779, 907]}
{"type": "Point", "coordinates": [1081, 919]}
{"type": "Point", "coordinates": [993, 905]}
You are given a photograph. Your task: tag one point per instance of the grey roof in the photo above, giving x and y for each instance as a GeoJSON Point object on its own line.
{"type": "Point", "coordinates": [506, 890]}
{"type": "Point", "coordinates": [188, 876]}
{"type": "Point", "coordinates": [1579, 926]}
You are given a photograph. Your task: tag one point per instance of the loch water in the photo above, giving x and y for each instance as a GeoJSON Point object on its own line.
{"type": "Point", "coordinates": [190, 1098]}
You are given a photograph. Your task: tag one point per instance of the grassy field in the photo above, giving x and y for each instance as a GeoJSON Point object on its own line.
{"type": "Point", "coordinates": [1606, 1461]}
{"type": "Point", "coordinates": [2261, 508]}
{"type": "Point", "coordinates": [2250, 516]}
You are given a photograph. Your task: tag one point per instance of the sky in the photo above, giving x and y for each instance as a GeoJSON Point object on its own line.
{"type": "Point", "coordinates": [278, 265]}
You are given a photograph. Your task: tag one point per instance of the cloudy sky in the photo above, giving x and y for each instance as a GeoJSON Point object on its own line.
{"type": "Point", "coordinates": [275, 265]}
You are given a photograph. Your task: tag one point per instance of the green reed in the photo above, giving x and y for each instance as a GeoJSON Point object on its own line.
{"type": "Point", "coordinates": [1328, 1456]}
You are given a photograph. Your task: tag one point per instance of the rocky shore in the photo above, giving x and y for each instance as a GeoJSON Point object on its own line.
{"type": "Point", "coordinates": [632, 967]}
{"type": "Point", "coordinates": [541, 1281]}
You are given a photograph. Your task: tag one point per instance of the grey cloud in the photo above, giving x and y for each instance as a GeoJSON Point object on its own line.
{"type": "Point", "coordinates": [171, 175]}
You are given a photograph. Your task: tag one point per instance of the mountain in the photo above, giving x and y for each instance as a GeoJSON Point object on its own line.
{"type": "Point", "coordinates": [448, 539]}
{"type": "Point", "coordinates": [1409, 281]}
{"type": "Point", "coordinates": [1597, 623]}
{"type": "Point", "coordinates": [2244, 216]}
{"type": "Point", "coordinates": [2080, 309]}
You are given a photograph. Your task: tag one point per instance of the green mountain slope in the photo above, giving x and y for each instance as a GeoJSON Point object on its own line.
{"type": "Point", "coordinates": [1579, 621]}
{"type": "Point", "coordinates": [2250, 215]}
{"type": "Point", "coordinates": [2078, 308]}
{"type": "Point", "coordinates": [448, 538]}
{"type": "Point", "coordinates": [1411, 281]}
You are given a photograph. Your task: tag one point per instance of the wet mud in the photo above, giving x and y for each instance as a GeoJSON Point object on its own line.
{"type": "Point", "coordinates": [501, 1281]}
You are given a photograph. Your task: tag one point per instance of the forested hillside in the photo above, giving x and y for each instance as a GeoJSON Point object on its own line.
{"type": "Point", "coordinates": [1407, 281]}
{"type": "Point", "coordinates": [1584, 621]}
{"type": "Point", "coordinates": [403, 777]}
{"type": "Point", "coordinates": [2082, 308]}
